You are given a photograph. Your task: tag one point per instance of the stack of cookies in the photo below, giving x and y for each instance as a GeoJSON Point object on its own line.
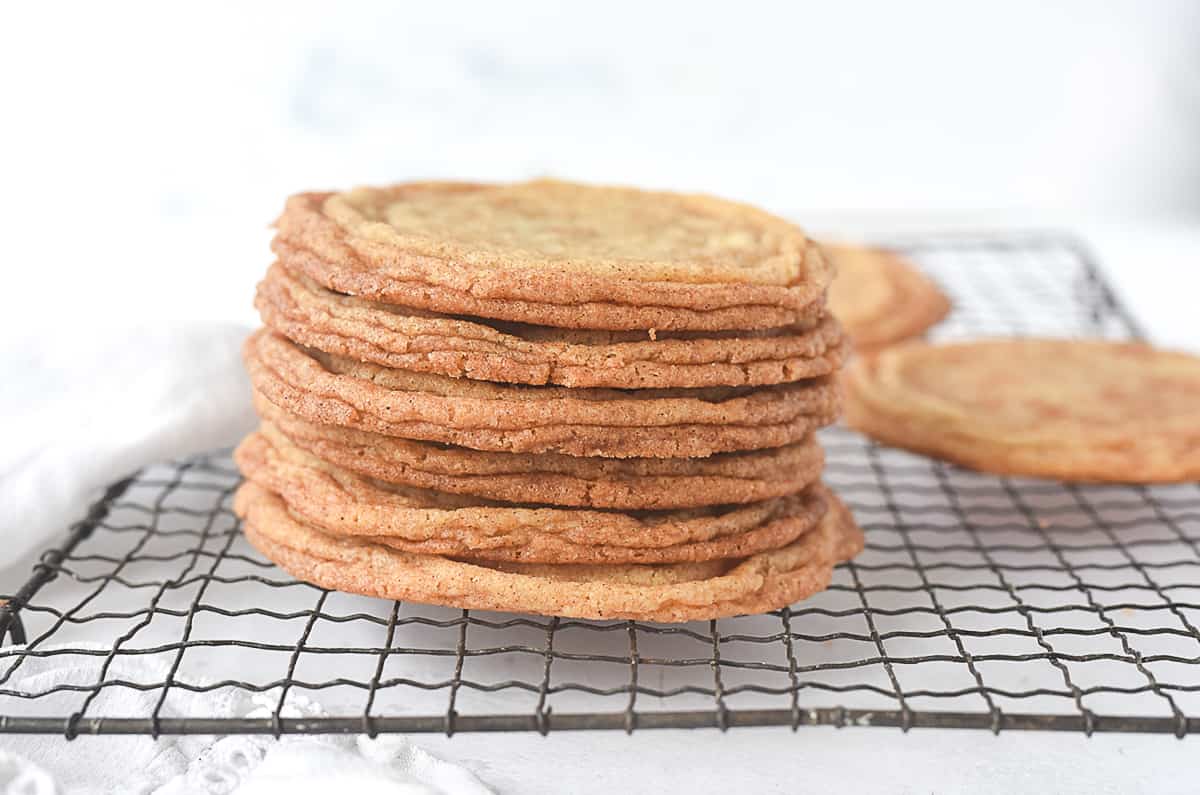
{"type": "Point", "coordinates": [546, 398]}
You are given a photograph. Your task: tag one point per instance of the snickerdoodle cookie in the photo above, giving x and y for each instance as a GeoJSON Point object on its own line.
{"type": "Point", "coordinates": [664, 592]}
{"type": "Point", "coordinates": [412, 339]}
{"type": "Point", "coordinates": [342, 503]}
{"type": "Point", "coordinates": [647, 423]}
{"type": "Point", "coordinates": [1070, 409]}
{"type": "Point", "coordinates": [880, 298]}
{"type": "Point", "coordinates": [557, 254]}
{"type": "Point", "coordinates": [622, 483]}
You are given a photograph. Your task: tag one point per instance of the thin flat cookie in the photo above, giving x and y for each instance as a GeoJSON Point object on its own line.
{"type": "Point", "coordinates": [396, 337]}
{"type": "Point", "coordinates": [557, 254]}
{"type": "Point", "coordinates": [626, 484]}
{"type": "Point", "coordinates": [1085, 410]}
{"type": "Point", "coordinates": [583, 422]}
{"type": "Point", "coordinates": [340, 503]}
{"type": "Point", "coordinates": [667, 593]}
{"type": "Point", "coordinates": [881, 299]}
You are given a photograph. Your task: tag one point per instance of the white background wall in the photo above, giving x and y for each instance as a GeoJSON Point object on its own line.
{"type": "Point", "coordinates": [144, 148]}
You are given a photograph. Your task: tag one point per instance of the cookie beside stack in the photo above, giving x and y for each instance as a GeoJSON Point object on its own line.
{"type": "Point", "coordinates": [880, 298]}
{"type": "Point", "coordinates": [1067, 409]}
{"type": "Point", "coordinates": [547, 398]}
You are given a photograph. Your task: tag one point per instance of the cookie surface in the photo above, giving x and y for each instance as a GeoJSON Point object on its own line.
{"type": "Point", "coordinates": [480, 415]}
{"type": "Point", "coordinates": [557, 254]}
{"type": "Point", "coordinates": [667, 592]}
{"type": "Point", "coordinates": [1070, 409]}
{"type": "Point", "coordinates": [392, 336]}
{"type": "Point", "coordinates": [343, 504]}
{"type": "Point", "coordinates": [879, 298]}
{"type": "Point", "coordinates": [631, 484]}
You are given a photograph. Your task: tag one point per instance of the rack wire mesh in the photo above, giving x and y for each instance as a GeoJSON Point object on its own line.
{"type": "Point", "coordinates": [980, 601]}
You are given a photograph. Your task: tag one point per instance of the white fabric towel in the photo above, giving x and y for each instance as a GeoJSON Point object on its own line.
{"type": "Point", "coordinates": [175, 765]}
{"type": "Point", "coordinates": [80, 413]}
{"type": "Point", "coordinates": [86, 410]}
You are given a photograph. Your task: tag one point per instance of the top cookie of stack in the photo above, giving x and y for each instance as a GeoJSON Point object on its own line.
{"type": "Point", "coordinates": [487, 353]}
{"type": "Point", "coordinates": [558, 254]}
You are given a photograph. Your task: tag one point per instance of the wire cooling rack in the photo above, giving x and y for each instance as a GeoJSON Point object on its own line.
{"type": "Point", "coordinates": [979, 602]}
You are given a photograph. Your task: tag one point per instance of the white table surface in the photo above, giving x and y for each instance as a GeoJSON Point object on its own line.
{"type": "Point", "coordinates": [1156, 267]}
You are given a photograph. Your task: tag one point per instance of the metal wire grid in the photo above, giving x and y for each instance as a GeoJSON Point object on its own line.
{"type": "Point", "coordinates": [979, 602]}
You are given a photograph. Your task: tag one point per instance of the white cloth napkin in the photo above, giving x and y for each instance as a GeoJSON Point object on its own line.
{"type": "Point", "coordinates": [81, 412]}
{"type": "Point", "coordinates": [175, 765]}
{"type": "Point", "coordinates": [86, 409]}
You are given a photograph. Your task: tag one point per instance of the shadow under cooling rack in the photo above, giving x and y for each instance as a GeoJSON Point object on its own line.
{"type": "Point", "coordinates": [979, 601]}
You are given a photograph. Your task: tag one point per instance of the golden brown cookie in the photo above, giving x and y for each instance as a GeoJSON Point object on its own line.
{"type": "Point", "coordinates": [557, 254]}
{"type": "Point", "coordinates": [340, 503]}
{"type": "Point", "coordinates": [627, 484]}
{"type": "Point", "coordinates": [393, 336]}
{"type": "Point", "coordinates": [673, 423]}
{"type": "Point", "coordinates": [879, 298]}
{"type": "Point", "coordinates": [851, 539]}
{"type": "Point", "coordinates": [1069, 409]}
{"type": "Point", "coordinates": [667, 592]}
